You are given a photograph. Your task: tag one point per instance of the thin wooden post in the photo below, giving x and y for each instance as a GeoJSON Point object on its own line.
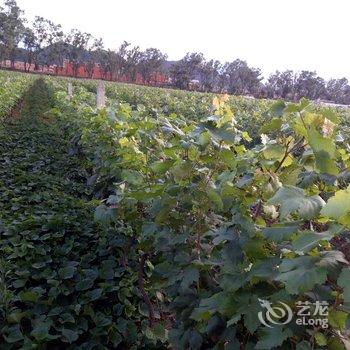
{"type": "Point", "coordinates": [100, 98]}
{"type": "Point", "coordinates": [70, 91]}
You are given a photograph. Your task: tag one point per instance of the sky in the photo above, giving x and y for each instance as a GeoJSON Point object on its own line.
{"type": "Point", "coordinates": [268, 34]}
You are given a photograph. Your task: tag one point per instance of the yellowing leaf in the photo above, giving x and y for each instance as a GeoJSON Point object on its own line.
{"type": "Point", "coordinates": [327, 127]}
{"type": "Point", "coordinates": [124, 142]}
{"type": "Point", "coordinates": [216, 103]}
{"type": "Point", "coordinates": [338, 206]}
{"type": "Point", "coordinates": [246, 136]}
{"type": "Point", "coordinates": [274, 151]}
{"type": "Point", "coordinates": [324, 150]}
{"type": "Point", "coordinates": [288, 161]}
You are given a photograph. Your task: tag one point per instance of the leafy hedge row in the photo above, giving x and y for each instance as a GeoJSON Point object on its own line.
{"type": "Point", "coordinates": [12, 87]}
{"type": "Point", "coordinates": [218, 226]}
{"type": "Point", "coordinates": [249, 113]}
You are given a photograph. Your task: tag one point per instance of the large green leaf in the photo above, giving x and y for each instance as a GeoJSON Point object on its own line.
{"type": "Point", "coordinates": [344, 282]}
{"type": "Point", "coordinates": [272, 337]}
{"type": "Point", "coordinates": [293, 199]}
{"type": "Point", "coordinates": [280, 232]}
{"type": "Point", "coordinates": [324, 150]}
{"type": "Point", "coordinates": [337, 319]}
{"type": "Point", "coordinates": [301, 274]}
{"type": "Point", "coordinates": [307, 240]}
{"type": "Point", "coordinates": [338, 206]}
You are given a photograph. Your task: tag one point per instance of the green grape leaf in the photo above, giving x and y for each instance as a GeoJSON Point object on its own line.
{"type": "Point", "coordinates": [337, 319]}
{"type": "Point", "coordinates": [274, 151]}
{"type": "Point", "coordinates": [190, 276]}
{"type": "Point", "coordinates": [335, 344]}
{"type": "Point", "coordinates": [66, 272]}
{"type": "Point", "coordinates": [279, 232]}
{"type": "Point", "coordinates": [293, 199]}
{"type": "Point", "coordinates": [272, 337]}
{"type": "Point", "coordinates": [273, 125]}
{"type": "Point", "coordinates": [324, 150]}
{"type": "Point", "coordinates": [215, 198]}
{"type": "Point", "coordinates": [344, 282]}
{"type": "Point", "coordinates": [70, 335]}
{"type": "Point", "coordinates": [338, 206]}
{"type": "Point", "coordinates": [160, 167]}
{"type": "Point", "coordinates": [307, 240]}
{"type": "Point", "coordinates": [301, 274]}
{"type": "Point", "coordinates": [277, 108]}
{"type": "Point", "coordinates": [320, 339]}
{"type": "Point", "coordinates": [14, 334]}
{"type": "Point", "coordinates": [29, 296]}
{"type": "Point", "coordinates": [304, 345]}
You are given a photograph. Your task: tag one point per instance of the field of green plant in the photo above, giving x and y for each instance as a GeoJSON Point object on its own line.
{"type": "Point", "coordinates": [171, 219]}
{"type": "Point", "coordinates": [12, 86]}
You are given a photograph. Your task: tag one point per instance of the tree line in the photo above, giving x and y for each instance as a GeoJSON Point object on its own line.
{"type": "Point", "coordinates": [239, 78]}
{"type": "Point", "coordinates": [42, 42]}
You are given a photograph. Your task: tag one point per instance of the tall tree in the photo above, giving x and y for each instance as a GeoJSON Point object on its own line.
{"type": "Point", "coordinates": [150, 64]}
{"type": "Point", "coordinates": [77, 42]}
{"type": "Point", "coordinates": [310, 85]}
{"type": "Point", "coordinates": [187, 69]}
{"type": "Point", "coordinates": [281, 85]}
{"type": "Point", "coordinates": [93, 55]}
{"type": "Point", "coordinates": [47, 34]}
{"type": "Point", "coordinates": [57, 53]}
{"type": "Point", "coordinates": [241, 79]}
{"type": "Point", "coordinates": [11, 30]}
{"type": "Point", "coordinates": [106, 61]}
{"type": "Point", "coordinates": [119, 63]}
{"type": "Point", "coordinates": [29, 47]}
{"type": "Point", "coordinates": [132, 57]}
{"type": "Point", "coordinates": [209, 73]}
{"type": "Point", "coordinates": [338, 90]}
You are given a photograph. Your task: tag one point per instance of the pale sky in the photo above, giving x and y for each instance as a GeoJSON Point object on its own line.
{"type": "Point", "coordinates": [268, 34]}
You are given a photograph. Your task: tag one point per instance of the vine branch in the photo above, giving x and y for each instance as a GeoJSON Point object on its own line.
{"type": "Point", "coordinates": [145, 296]}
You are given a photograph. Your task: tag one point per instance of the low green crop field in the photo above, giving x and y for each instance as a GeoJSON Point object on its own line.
{"type": "Point", "coordinates": [170, 219]}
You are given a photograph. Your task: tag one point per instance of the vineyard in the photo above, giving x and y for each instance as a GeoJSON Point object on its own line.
{"type": "Point", "coordinates": [170, 219]}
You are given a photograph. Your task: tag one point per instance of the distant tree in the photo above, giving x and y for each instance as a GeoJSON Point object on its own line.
{"type": "Point", "coordinates": [186, 69]}
{"type": "Point", "coordinates": [150, 63]}
{"type": "Point", "coordinates": [118, 62]}
{"type": "Point", "coordinates": [47, 34]}
{"type": "Point", "coordinates": [114, 63]}
{"type": "Point", "coordinates": [209, 73]}
{"type": "Point", "coordinates": [281, 85]}
{"type": "Point", "coordinates": [123, 62]}
{"type": "Point", "coordinates": [28, 41]}
{"type": "Point", "coordinates": [11, 30]}
{"type": "Point", "coordinates": [310, 85]}
{"type": "Point", "coordinates": [103, 62]}
{"type": "Point", "coordinates": [132, 58]}
{"type": "Point", "coordinates": [77, 43]}
{"type": "Point", "coordinates": [240, 79]}
{"type": "Point", "coordinates": [58, 52]}
{"type": "Point", "coordinates": [57, 48]}
{"type": "Point", "coordinates": [94, 52]}
{"type": "Point", "coordinates": [338, 90]}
